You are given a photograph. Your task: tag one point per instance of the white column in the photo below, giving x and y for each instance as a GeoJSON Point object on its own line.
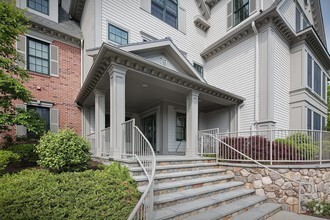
{"type": "Point", "coordinates": [117, 108]}
{"type": "Point", "coordinates": [192, 123]}
{"type": "Point", "coordinates": [99, 119]}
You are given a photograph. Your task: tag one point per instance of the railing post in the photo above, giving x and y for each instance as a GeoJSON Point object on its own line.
{"type": "Point", "coordinates": [133, 140]}
{"type": "Point", "coordinates": [217, 146]}
{"type": "Point", "coordinates": [321, 146]}
{"type": "Point", "coordinates": [202, 144]}
{"type": "Point", "coordinates": [271, 147]}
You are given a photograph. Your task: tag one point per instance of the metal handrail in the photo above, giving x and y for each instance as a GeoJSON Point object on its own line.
{"type": "Point", "coordinates": [292, 145]}
{"type": "Point", "coordinates": [142, 209]}
{"type": "Point", "coordinates": [271, 170]}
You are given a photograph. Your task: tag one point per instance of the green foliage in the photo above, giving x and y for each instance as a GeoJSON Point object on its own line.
{"type": "Point", "coordinates": [26, 152]}
{"type": "Point", "coordinates": [40, 194]}
{"type": "Point", "coordinates": [63, 151]}
{"type": "Point", "coordinates": [13, 23]}
{"type": "Point", "coordinates": [7, 157]}
{"type": "Point", "coordinates": [320, 208]}
{"type": "Point", "coordinates": [302, 142]}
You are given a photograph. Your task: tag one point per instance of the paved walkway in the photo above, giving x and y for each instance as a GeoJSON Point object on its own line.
{"type": "Point", "coordinates": [292, 216]}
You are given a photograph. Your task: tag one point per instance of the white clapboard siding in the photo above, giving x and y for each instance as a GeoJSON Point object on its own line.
{"type": "Point", "coordinates": [218, 119]}
{"type": "Point", "coordinates": [234, 71]}
{"type": "Point", "coordinates": [288, 11]}
{"type": "Point", "coordinates": [192, 41]}
{"type": "Point", "coordinates": [88, 28]}
{"type": "Point", "coordinates": [219, 20]}
{"type": "Point", "coordinates": [281, 83]}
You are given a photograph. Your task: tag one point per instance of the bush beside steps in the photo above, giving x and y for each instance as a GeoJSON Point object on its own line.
{"type": "Point", "coordinates": [39, 194]}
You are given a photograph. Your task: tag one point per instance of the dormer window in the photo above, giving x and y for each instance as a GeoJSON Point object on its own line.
{"type": "Point", "coordinates": [39, 5]}
{"type": "Point", "coordinates": [301, 20]}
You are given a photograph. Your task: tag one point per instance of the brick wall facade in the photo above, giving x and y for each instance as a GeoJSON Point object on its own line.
{"type": "Point", "coordinates": [62, 90]}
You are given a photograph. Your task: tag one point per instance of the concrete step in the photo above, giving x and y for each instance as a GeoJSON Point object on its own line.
{"type": "Point", "coordinates": [230, 209]}
{"type": "Point", "coordinates": [261, 212]}
{"type": "Point", "coordinates": [137, 171]}
{"type": "Point", "coordinates": [179, 197]}
{"type": "Point", "coordinates": [194, 207]}
{"type": "Point", "coordinates": [176, 176]}
{"type": "Point", "coordinates": [169, 187]}
{"type": "Point", "coordinates": [163, 161]}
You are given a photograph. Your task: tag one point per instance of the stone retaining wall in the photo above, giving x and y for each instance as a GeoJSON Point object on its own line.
{"type": "Point", "coordinates": [281, 190]}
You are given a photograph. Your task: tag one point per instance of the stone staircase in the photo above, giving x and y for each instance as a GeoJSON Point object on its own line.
{"type": "Point", "coordinates": [196, 188]}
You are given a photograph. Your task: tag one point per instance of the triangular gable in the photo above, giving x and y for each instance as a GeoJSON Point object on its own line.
{"type": "Point", "coordinates": [165, 53]}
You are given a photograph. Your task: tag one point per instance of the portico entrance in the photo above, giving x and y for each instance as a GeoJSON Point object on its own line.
{"type": "Point", "coordinates": [126, 85]}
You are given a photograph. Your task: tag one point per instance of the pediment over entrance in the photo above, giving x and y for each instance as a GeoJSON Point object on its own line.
{"type": "Point", "coordinates": [164, 53]}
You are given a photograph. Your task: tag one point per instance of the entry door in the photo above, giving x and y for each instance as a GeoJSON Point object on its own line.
{"type": "Point", "coordinates": [149, 129]}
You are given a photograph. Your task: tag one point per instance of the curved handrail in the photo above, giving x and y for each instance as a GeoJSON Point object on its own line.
{"type": "Point", "coordinates": [135, 214]}
{"type": "Point", "coordinates": [269, 169]}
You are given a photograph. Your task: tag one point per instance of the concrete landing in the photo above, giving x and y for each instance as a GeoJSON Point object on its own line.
{"type": "Point", "coordinates": [283, 215]}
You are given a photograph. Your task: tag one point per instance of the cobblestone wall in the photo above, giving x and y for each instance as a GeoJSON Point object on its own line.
{"type": "Point", "coordinates": [279, 189]}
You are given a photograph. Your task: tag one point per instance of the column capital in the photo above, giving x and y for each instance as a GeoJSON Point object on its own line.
{"type": "Point", "coordinates": [117, 69]}
{"type": "Point", "coordinates": [193, 93]}
{"type": "Point", "coordinates": [99, 92]}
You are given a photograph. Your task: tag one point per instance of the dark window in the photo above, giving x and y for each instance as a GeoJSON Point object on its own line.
{"type": "Point", "coordinates": [298, 19]}
{"type": "Point", "coordinates": [43, 114]}
{"type": "Point", "coordinates": [310, 71]}
{"type": "Point", "coordinates": [309, 119]}
{"type": "Point", "coordinates": [117, 35]}
{"type": "Point", "coordinates": [305, 23]}
{"type": "Point", "coordinates": [199, 69]}
{"type": "Point", "coordinates": [241, 10]}
{"type": "Point", "coordinates": [166, 10]}
{"type": "Point", "coordinates": [317, 79]}
{"type": "Point", "coordinates": [323, 124]}
{"type": "Point", "coordinates": [316, 121]}
{"type": "Point", "coordinates": [180, 126]}
{"type": "Point", "coordinates": [38, 56]}
{"type": "Point", "coordinates": [39, 5]}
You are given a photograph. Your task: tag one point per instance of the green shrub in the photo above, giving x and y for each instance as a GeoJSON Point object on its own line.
{"type": "Point", "coordinates": [40, 194]}
{"type": "Point", "coordinates": [302, 142]}
{"type": "Point", "coordinates": [27, 153]}
{"type": "Point", "coordinates": [63, 151]}
{"type": "Point", "coordinates": [7, 157]}
{"type": "Point", "coordinates": [320, 208]}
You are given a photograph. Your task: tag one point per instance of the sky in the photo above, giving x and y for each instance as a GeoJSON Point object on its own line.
{"type": "Point", "coordinates": [325, 5]}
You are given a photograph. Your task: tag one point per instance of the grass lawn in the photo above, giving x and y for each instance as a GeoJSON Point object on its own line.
{"type": "Point", "coordinates": [93, 194]}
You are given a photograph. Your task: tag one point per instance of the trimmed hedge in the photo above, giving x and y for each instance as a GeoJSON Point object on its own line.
{"type": "Point", "coordinates": [27, 153]}
{"type": "Point", "coordinates": [63, 151]}
{"type": "Point", "coordinates": [7, 157]}
{"type": "Point", "coordinates": [40, 194]}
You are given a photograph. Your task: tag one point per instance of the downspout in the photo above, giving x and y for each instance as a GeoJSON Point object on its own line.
{"type": "Point", "coordinates": [256, 80]}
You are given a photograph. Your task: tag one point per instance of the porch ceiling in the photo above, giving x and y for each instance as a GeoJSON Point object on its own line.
{"type": "Point", "coordinates": [144, 92]}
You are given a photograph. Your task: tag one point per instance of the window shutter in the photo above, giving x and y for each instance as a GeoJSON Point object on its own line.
{"type": "Point", "coordinates": [54, 120]}
{"type": "Point", "coordinates": [182, 20]}
{"type": "Point", "coordinates": [146, 5]}
{"type": "Point", "coordinates": [21, 49]}
{"type": "Point", "coordinates": [229, 14]}
{"type": "Point", "coordinates": [252, 6]}
{"type": "Point", "coordinates": [54, 67]}
{"type": "Point", "coordinates": [20, 129]}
